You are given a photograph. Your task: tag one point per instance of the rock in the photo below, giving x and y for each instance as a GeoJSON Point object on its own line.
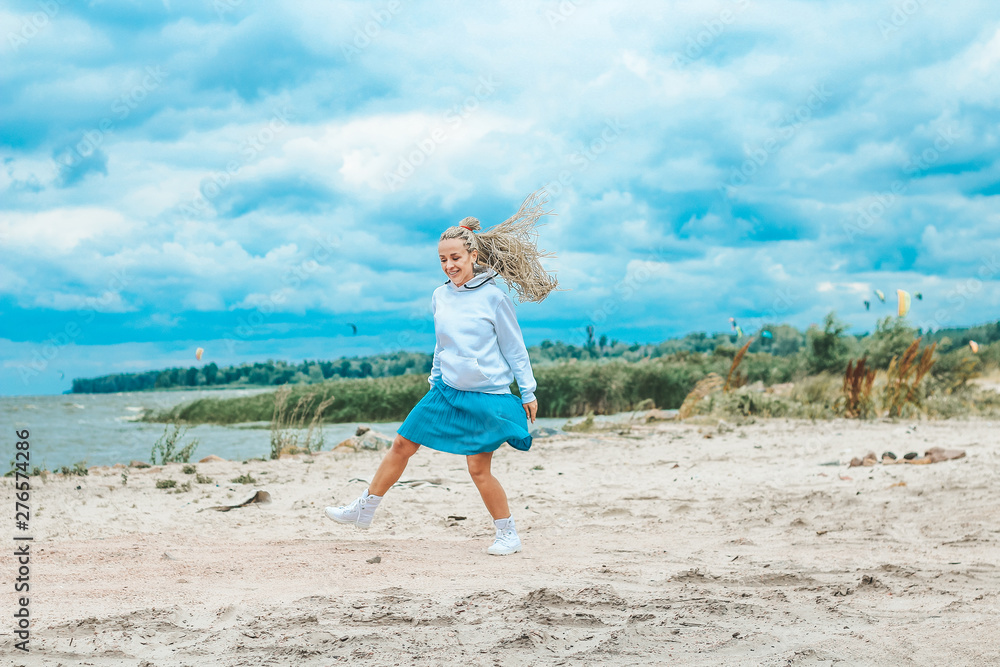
{"type": "Point", "coordinates": [374, 559]}
{"type": "Point", "coordinates": [724, 427]}
{"type": "Point", "coordinates": [938, 454]}
{"type": "Point", "coordinates": [362, 429]}
{"type": "Point", "coordinates": [119, 465]}
{"type": "Point", "coordinates": [889, 454]}
{"type": "Point", "coordinates": [544, 432]}
{"type": "Point", "coordinates": [210, 458]}
{"type": "Point", "coordinates": [138, 464]}
{"type": "Point", "coordinates": [868, 461]}
{"type": "Point", "coordinates": [910, 456]}
{"type": "Point", "coordinates": [656, 415]}
{"type": "Point", "coordinates": [369, 440]}
{"type": "Point", "coordinates": [350, 443]}
{"type": "Point", "coordinates": [374, 441]}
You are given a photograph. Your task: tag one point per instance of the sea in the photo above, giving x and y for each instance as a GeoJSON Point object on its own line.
{"type": "Point", "coordinates": [103, 429]}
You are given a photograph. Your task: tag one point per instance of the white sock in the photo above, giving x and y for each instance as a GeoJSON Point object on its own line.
{"type": "Point", "coordinates": [504, 524]}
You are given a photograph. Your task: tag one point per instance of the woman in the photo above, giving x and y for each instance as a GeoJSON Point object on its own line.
{"type": "Point", "coordinates": [470, 409]}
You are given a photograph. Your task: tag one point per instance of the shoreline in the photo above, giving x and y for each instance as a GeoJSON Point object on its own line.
{"type": "Point", "coordinates": [674, 543]}
{"type": "Point", "coordinates": [603, 425]}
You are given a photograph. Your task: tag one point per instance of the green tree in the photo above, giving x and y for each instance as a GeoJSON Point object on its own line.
{"type": "Point", "coordinates": [826, 348]}
{"type": "Point", "coordinates": [891, 338]}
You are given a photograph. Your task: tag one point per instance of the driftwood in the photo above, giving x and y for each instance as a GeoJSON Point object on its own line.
{"type": "Point", "coordinates": [258, 498]}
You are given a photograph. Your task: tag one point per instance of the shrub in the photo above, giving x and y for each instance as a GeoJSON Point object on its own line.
{"type": "Point", "coordinates": [166, 446]}
{"type": "Point", "coordinates": [755, 404]}
{"type": "Point", "coordinates": [817, 390]}
{"type": "Point", "coordinates": [903, 376]}
{"type": "Point", "coordinates": [952, 371]}
{"type": "Point", "coordinates": [166, 483]}
{"type": "Point", "coordinates": [79, 469]}
{"type": "Point", "coordinates": [585, 425]}
{"type": "Point", "coordinates": [891, 338]}
{"type": "Point", "coordinates": [826, 349]}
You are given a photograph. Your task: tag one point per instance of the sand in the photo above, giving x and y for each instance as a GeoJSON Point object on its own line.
{"type": "Point", "coordinates": [662, 546]}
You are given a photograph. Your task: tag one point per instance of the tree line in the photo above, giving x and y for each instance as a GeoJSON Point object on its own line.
{"type": "Point", "coordinates": [817, 349]}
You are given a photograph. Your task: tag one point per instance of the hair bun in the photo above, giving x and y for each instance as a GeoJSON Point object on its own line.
{"type": "Point", "coordinates": [471, 223]}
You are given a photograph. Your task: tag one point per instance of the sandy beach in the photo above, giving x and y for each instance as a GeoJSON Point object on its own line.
{"type": "Point", "coordinates": [676, 543]}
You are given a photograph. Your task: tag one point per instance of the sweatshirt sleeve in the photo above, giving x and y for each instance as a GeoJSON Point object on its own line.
{"type": "Point", "coordinates": [436, 364]}
{"type": "Point", "coordinates": [512, 346]}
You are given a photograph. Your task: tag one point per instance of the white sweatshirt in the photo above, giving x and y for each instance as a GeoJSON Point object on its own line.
{"type": "Point", "coordinates": [479, 343]}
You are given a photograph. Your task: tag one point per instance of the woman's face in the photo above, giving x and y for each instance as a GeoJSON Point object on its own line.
{"type": "Point", "coordinates": [456, 261]}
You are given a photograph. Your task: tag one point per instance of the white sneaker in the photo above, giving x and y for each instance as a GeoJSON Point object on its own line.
{"type": "Point", "coordinates": [507, 542]}
{"type": "Point", "coordinates": [360, 512]}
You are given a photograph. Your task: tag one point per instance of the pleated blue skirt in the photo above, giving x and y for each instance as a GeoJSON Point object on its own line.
{"type": "Point", "coordinates": [466, 422]}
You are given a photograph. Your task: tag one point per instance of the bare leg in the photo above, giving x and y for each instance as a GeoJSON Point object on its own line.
{"type": "Point", "coordinates": [488, 485]}
{"type": "Point", "coordinates": [392, 466]}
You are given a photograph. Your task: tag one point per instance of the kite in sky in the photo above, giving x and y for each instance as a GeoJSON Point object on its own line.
{"type": "Point", "coordinates": [197, 353]}
{"type": "Point", "coordinates": [904, 302]}
{"type": "Point", "coordinates": [736, 327]}
{"type": "Point", "coordinates": [880, 295]}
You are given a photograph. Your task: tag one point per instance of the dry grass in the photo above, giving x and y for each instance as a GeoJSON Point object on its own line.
{"type": "Point", "coordinates": [287, 426]}
{"type": "Point", "coordinates": [709, 384]}
{"type": "Point", "coordinates": [903, 378]}
{"type": "Point", "coordinates": [736, 378]}
{"type": "Point", "coordinates": [856, 399]}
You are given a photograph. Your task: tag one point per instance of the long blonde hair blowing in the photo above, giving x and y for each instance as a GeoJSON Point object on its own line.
{"type": "Point", "coordinates": [511, 248]}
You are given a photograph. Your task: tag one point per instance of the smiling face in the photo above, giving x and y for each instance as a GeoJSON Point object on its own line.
{"type": "Point", "coordinates": [456, 261]}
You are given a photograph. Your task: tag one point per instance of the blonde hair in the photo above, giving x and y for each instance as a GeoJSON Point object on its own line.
{"type": "Point", "coordinates": [510, 248]}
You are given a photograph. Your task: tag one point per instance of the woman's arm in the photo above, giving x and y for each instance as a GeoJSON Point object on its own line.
{"type": "Point", "coordinates": [512, 346]}
{"type": "Point", "coordinates": [436, 364]}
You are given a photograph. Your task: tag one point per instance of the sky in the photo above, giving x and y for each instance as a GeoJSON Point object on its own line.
{"type": "Point", "coordinates": [254, 177]}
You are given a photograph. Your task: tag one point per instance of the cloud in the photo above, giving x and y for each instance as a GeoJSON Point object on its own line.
{"type": "Point", "coordinates": [72, 169]}
{"type": "Point", "coordinates": [186, 163]}
{"type": "Point", "coordinates": [56, 232]}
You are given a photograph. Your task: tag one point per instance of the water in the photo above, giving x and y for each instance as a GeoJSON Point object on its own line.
{"type": "Point", "coordinates": [99, 429]}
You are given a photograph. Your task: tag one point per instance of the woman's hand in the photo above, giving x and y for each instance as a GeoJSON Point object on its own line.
{"type": "Point", "coordinates": [531, 409]}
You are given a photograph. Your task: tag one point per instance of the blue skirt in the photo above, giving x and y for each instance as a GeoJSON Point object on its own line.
{"type": "Point", "coordinates": [466, 422]}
